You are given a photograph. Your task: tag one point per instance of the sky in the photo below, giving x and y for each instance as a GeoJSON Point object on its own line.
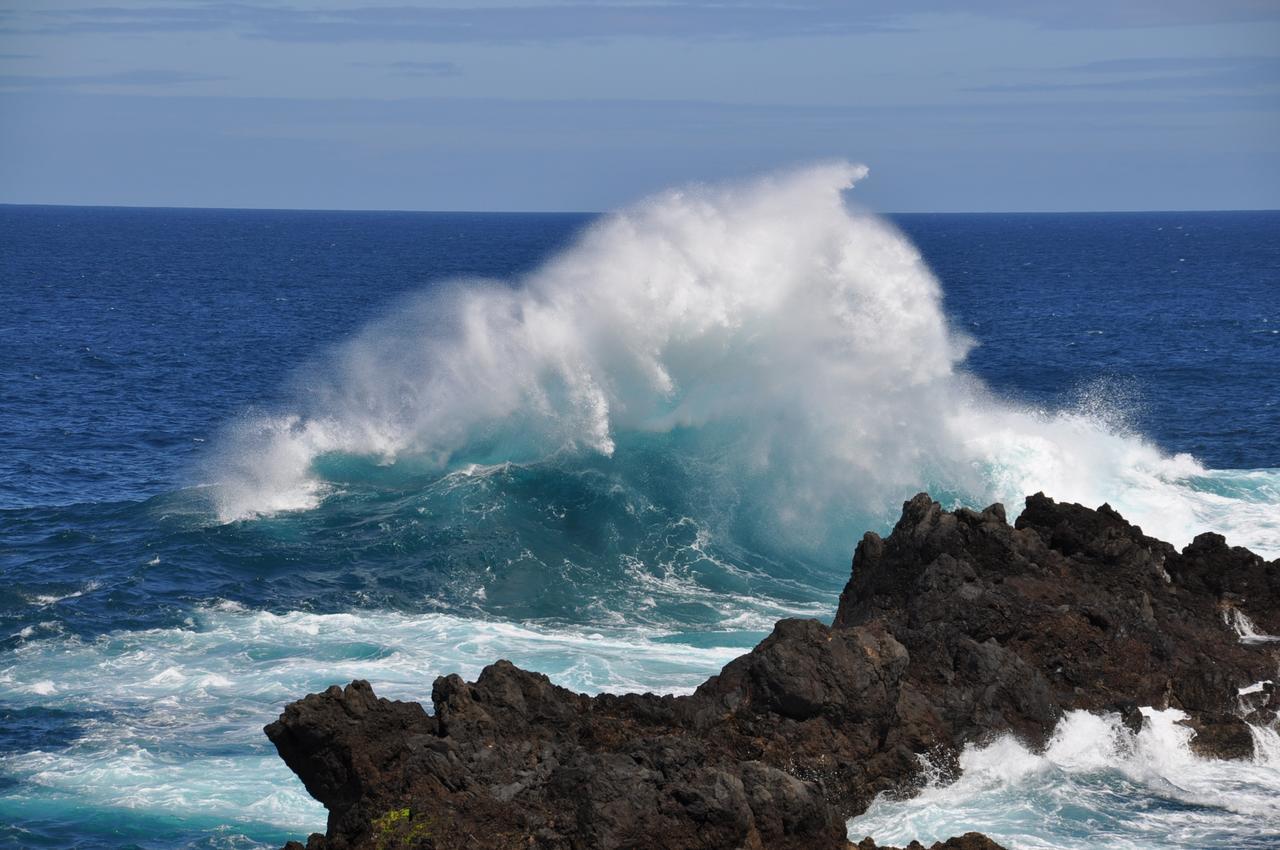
{"type": "Point", "coordinates": [544, 105]}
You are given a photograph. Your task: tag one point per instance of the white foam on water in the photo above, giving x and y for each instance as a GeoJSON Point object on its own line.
{"type": "Point", "coordinates": [171, 719]}
{"type": "Point", "coordinates": [812, 332]}
{"type": "Point", "coordinates": [44, 600]}
{"type": "Point", "coordinates": [1095, 785]}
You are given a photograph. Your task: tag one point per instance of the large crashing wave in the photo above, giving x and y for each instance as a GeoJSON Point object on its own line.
{"type": "Point", "coordinates": [793, 355]}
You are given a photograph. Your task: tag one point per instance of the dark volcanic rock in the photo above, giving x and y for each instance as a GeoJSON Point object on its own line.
{"type": "Point", "coordinates": [1070, 609]}
{"type": "Point", "coordinates": [1220, 736]}
{"type": "Point", "coordinates": [968, 841]}
{"type": "Point", "coordinates": [955, 628]}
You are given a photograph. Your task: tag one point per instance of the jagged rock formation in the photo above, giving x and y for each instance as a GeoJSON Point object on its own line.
{"type": "Point", "coordinates": [968, 841]}
{"type": "Point", "coordinates": [956, 627]}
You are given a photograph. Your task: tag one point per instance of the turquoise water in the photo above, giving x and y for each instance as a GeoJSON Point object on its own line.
{"type": "Point", "coordinates": [247, 454]}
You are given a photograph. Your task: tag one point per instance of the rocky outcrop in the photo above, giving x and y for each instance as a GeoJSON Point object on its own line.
{"type": "Point", "coordinates": [968, 841]}
{"type": "Point", "coordinates": [1071, 608]}
{"type": "Point", "coordinates": [955, 627]}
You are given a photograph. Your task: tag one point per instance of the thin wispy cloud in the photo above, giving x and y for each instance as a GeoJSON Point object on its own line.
{"type": "Point", "coordinates": [1239, 75]}
{"type": "Point", "coordinates": [472, 24]}
{"type": "Point", "coordinates": [575, 21]}
{"type": "Point", "coordinates": [408, 68]}
{"type": "Point", "coordinates": [1157, 64]}
{"type": "Point", "coordinates": [127, 79]}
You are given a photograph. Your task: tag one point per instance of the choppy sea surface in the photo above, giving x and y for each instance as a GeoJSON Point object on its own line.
{"type": "Point", "coordinates": [248, 454]}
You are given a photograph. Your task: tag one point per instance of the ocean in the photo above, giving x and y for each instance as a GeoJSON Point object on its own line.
{"type": "Point", "coordinates": [248, 454]}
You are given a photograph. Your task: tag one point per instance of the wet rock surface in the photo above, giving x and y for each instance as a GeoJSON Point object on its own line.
{"type": "Point", "coordinates": [955, 628]}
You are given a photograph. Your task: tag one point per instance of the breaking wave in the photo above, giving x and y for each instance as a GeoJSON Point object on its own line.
{"type": "Point", "coordinates": [792, 355]}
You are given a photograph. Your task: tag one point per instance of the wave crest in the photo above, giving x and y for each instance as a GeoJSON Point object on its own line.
{"type": "Point", "coordinates": [796, 348]}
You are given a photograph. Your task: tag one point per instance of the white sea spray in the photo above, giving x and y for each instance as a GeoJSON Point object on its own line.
{"type": "Point", "coordinates": [804, 342]}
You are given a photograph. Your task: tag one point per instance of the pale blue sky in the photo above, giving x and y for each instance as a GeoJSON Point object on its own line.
{"type": "Point", "coordinates": [1125, 104]}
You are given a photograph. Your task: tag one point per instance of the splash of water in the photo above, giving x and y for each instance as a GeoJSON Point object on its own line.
{"type": "Point", "coordinates": [1245, 627]}
{"type": "Point", "coordinates": [794, 348]}
{"type": "Point", "coordinates": [1096, 784]}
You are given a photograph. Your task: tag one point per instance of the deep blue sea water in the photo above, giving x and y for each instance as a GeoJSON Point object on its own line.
{"type": "Point", "coordinates": [247, 454]}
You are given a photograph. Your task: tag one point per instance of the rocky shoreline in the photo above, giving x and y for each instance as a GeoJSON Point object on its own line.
{"type": "Point", "coordinates": [955, 628]}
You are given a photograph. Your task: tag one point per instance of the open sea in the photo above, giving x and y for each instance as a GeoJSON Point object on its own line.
{"type": "Point", "coordinates": [245, 455]}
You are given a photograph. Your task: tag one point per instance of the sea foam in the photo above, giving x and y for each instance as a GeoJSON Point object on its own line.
{"type": "Point", "coordinates": [1096, 784]}
{"type": "Point", "coordinates": [165, 721]}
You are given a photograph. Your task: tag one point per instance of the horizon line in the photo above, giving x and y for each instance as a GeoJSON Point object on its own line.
{"type": "Point", "coordinates": [375, 210]}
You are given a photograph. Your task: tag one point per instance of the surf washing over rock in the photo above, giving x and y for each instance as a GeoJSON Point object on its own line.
{"type": "Point", "coordinates": [1095, 763]}
{"type": "Point", "coordinates": [793, 351]}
